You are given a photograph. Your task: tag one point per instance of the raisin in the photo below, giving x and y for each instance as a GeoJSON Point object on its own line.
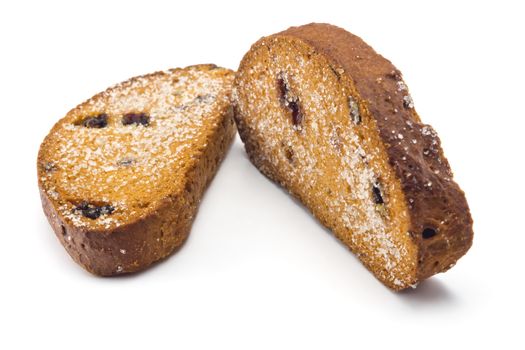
{"type": "Point", "coordinates": [208, 98]}
{"type": "Point", "coordinates": [97, 121]}
{"type": "Point", "coordinates": [135, 118]}
{"type": "Point", "coordinates": [126, 162]}
{"type": "Point", "coordinates": [50, 167]}
{"type": "Point", "coordinates": [292, 103]}
{"type": "Point", "coordinates": [93, 211]}
{"type": "Point", "coordinates": [378, 198]}
{"type": "Point", "coordinates": [428, 233]}
{"type": "Point", "coordinates": [297, 116]}
{"type": "Point", "coordinates": [283, 89]}
{"type": "Point", "coordinates": [354, 110]}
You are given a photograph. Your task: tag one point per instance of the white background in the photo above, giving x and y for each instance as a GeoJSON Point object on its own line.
{"type": "Point", "coordinates": [258, 272]}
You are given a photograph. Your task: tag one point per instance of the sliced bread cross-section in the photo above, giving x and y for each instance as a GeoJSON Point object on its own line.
{"type": "Point", "coordinates": [324, 115]}
{"type": "Point", "coordinates": [121, 175]}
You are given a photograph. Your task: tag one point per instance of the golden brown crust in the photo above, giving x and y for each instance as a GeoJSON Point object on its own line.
{"type": "Point", "coordinates": [440, 222]}
{"type": "Point", "coordinates": [134, 244]}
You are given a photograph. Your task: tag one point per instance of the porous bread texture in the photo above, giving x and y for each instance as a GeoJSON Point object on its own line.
{"type": "Point", "coordinates": [122, 174]}
{"type": "Point", "coordinates": [321, 113]}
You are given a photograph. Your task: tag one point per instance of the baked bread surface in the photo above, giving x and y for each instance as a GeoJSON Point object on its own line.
{"type": "Point", "coordinates": [332, 121]}
{"type": "Point", "coordinates": [122, 174]}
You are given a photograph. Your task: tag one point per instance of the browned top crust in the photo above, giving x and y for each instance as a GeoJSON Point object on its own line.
{"type": "Point", "coordinates": [441, 224]}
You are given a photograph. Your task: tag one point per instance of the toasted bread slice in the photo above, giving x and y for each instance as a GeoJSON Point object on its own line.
{"type": "Point", "coordinates": [324, 115]}
{"type": "Point", "coordinates": [122, 174]}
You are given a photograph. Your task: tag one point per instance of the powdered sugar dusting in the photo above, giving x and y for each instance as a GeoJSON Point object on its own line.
{"type": "Point", "coordinates": [107, 165]}
{"type": "Point", "coordinates": [331, 121]}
